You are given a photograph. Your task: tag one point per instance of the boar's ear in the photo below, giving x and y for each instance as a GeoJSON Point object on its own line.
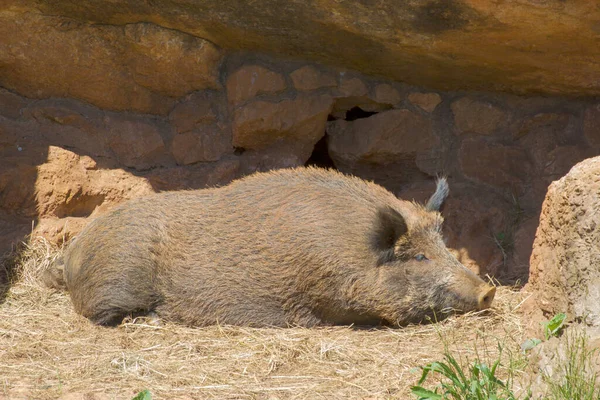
{"type": "Point", "coordinates": [437, 199]}
{"type": "Point", "coordinates": [389, 227]}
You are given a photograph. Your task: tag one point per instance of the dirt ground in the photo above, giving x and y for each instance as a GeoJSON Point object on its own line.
{"type": "Point", "coordinates": [48, 352]}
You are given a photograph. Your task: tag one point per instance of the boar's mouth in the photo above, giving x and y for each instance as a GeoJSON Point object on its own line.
{"type": "Point", "coordinates": [443, 304]}
{"type": "Point", "coordinates": [448, 302]}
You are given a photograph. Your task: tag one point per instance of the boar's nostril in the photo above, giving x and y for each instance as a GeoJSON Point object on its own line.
{"type": "Point", "coordinates": [486, 298]}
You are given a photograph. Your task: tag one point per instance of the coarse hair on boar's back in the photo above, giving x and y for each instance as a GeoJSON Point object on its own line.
{"type": "Point", "coordinates": [302, 246]}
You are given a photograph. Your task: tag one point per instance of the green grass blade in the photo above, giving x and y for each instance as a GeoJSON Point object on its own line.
{"type": "Point", "coordinates": [461, 379]}
{"type": "Point", "coordinates": [426, 369]}
{"type": "Point", "coordinates": [424, 394]}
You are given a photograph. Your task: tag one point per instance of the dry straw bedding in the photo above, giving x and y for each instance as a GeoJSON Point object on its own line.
{"type": "Point", "coordinates": [47, 351]}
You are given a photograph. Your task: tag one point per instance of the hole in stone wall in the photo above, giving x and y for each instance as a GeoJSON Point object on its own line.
{"type": "Point", "coordinates": [238, 151]}
{"type": "Point", "coordinates": [320, 155]}
{"type": "Point", "coordinates": [357, 113]}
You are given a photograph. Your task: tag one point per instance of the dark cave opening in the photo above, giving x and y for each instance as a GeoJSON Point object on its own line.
{"type": "Point", "coordinates": [357, 113]}
{"type": "Point", "coordinates": [238, 151]}
{"type": "Point", "coordinates": [320, 155]}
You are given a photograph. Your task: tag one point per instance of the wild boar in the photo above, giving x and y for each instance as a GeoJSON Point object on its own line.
{"type": "Point", "coordinates": [302, 246]}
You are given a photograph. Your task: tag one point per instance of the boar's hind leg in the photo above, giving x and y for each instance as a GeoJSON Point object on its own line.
{"type": "Point", "coordinates": [107, 300]}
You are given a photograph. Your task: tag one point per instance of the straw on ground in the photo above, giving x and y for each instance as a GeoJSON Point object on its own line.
{"type": "Point", "coordinates": [47, 351]}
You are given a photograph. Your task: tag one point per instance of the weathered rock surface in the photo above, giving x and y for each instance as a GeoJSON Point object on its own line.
{"type": "Point", "coordinates": [476, 117]}
{"type": "Point", "coordinates": [495, 164]}
{"type": "Point", "coordinates": [301, 121]}
{"type": "Point", "coordinates": [310, 78]}
{"type": "Point", "coordinates": [202, 129]}
{"type": "Point", "coordinates": [386, 94]}
{"type": "Point", "coordinates": [136, 142]}
{"type": "Point", "coordinates": [249, 81]}
{"type": "Point", "coordinates": [353, 92]}
{"type": "Point", "coordinates": [523, 238]}
{"type": "Point", "coordinates": [141, 67]}
{"type": "Point", "coordinates": [426, 101]}
{"type": "Point", "coordinates": [461, 44]}
{"type": "Point", "coordinates": [591, 125]}
{"type": "Point", "coordinates": [197, 109]}
{"type": "Point", "coordinates": [385, 147]}
{"type": "Point", "coordinates": [204, 144]}
{"type": "Point", "coordinates": [382, 138]}
{"type": "Point", "coordinates": [565, 263]}
{"type": "Point", "coordinates": [69, 185]}
{"type": "Point", "coordinates": [351, 86]}
{"type": "Point", "coordinates": [542, 133]}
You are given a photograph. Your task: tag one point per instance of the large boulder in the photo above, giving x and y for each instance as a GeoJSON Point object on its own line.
{"type": "Point", "coordinates": [565, 263]}
{"type": "Point", "coordinates": [541, 46]}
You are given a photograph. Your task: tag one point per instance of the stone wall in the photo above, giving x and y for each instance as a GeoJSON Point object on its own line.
{"type": "Point", "coordinates": [64, 160]}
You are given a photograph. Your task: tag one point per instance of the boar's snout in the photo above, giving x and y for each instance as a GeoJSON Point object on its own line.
{"type": "Point", "coordinates": [469, 292]}
{"type": "Point", "coordinates": [486, 296]}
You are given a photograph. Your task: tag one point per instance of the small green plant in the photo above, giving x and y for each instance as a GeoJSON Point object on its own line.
{"type": "Point", "coordinates": [479, 382]}
{"type": "Point", "coordinates": [143, 395]}
{"type": "Point", "coordinates": [554, 326]}
{"type": "Point", "coordinates": [504, 243]}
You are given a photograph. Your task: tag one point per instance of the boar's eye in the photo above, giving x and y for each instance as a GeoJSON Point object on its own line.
{"type": "Point", "coordinates": [420, 257]}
